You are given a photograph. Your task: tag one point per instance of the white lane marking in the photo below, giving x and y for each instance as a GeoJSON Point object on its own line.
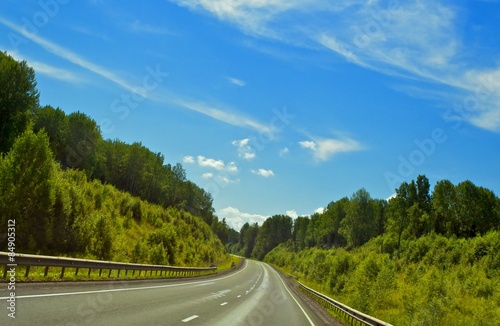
{"type": "Point", "coordinates": [298, 304]}
{"type": "Point", "coordinates": [205, 284]}
{"type": "Point", "coordinates": [120, 290]}
{"type": "Point", "coordinates": [190, 318]}
{"type": "Point", "coordinates": [223, 304]}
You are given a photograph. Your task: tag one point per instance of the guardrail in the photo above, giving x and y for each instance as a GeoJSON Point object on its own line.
{"type": "Point", "coordinates": [352, 316]}
{"type": "Point", "coordinates": [65, 262]}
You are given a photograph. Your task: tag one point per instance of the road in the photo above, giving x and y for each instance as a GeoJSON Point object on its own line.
{"type": "Point", "coordinates": [253, 295]}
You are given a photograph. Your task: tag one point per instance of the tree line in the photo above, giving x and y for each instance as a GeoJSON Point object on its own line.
{"type": "Point", "coordinates": [463, 210]}
{"type": "Point", "coordinates": [72, 192]}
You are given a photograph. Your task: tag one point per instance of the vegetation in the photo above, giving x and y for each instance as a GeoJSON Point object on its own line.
{"type": "Point", "coordinates": [73, 193]}
{"type": "Point", "coordinates": [420, 258]}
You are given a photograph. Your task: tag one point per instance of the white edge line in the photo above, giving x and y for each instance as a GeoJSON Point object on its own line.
{"type": "Point", "coordinates": [119, 290]}
{"type": "Point", "coordinates": [298, 304]}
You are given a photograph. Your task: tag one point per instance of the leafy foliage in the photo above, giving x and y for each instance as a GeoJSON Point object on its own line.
{"type": "Point", "coordinates": [73, 193]}
{"type": "Point", "coordinates": [18, 99]}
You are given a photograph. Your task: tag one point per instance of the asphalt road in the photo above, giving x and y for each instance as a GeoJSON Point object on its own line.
{"type": "Point", "coordinates": [253, 295]}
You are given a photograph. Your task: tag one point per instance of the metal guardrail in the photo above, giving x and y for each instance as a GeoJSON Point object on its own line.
{"type": "Point", "coordinates": [352, 316]}
{"type": "Point", "coordinates": [65, 262]}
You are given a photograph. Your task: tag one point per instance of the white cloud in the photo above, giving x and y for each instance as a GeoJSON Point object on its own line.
{"type": "Point", "coordinates": [188, 159]}
{"type": "Point", "coordinates": [235, 218]}
{"type": "Point", "coordinates": [308, 144]}
{"type": "Point", "coordinates": [264, 173]}
{"type": "Point", "coordinates": [232, 167]}
{"type": "Point", "coordinates": [292, 213]}
{"type": "Point", "coordinates": [53, 72]}
{"type": "Point", "coordinates": [244, 149]}
{"type": "Point", "coordinates": [226, 115]}
{"type": "Point", "coordinates": [284, 151]}
{"type": "Point", "coordinates": [236, 81]}
{"type": "Point", "coordinates": [320, 210]}
{"type": "Point", "coordinates": [211, 163]}
{"type": "Point", "coordinates": [323, 148]}
{"type": "Point", "coordinates": [207, 175]}
{"type": "Point", "coordinates": [227, 179]}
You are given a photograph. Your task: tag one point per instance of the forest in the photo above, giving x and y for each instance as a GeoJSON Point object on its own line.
{"type": "Point", "coordinates": [73, 193]}
{"type": "Point", "coordinates": [420, 258]}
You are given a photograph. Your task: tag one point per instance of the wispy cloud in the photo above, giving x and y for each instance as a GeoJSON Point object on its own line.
{"type": "Point", "coordinates": [324, 148]}
{"type": "Point", "coordinates": [414, 39]}
{"type": "Point", "coordinates": [140, 27]}
{"type": "Point", "coordinates": [50, 71]}
{"type": "Point", "coordinates": [69, 55]}
{"type": "Point", "coordinates": [264, 173]}
{"type": "Point", "coordinates": [236, 81]}
{"type": "Point", "coordinates": [227, 115]}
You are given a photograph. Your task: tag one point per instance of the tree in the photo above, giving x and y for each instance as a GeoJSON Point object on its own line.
{"type": "Point", "coordinates": [443, 201]}
{"type": "Point", "coordinates": [275, 230]}
{"type": "Point", "coordinates": [55, 124]}
{"type": "Point", "coordinates": [359, 225]}
{"type": "Point", "coordinates": [18, 99]}
{"type": "Point", "coordinates": [27, 190]}
{"type": "Point", "coordinates": [82, 142]}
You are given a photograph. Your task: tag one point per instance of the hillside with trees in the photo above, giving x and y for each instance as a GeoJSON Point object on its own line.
{"type": "Point", "coordinates": [420, 258]}
{"type": "Point", "coordinates": [73, 193]}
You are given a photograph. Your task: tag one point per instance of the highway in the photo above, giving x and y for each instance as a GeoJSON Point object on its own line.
{"type": "Point", "coordinates": [253, 295]}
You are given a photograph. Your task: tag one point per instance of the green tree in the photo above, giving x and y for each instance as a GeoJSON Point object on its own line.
{"type": "Point", "coordinates": [82, 144]}
{"type": "Point", "coordinates": [18, 99]}
{"type": "Point", "coordinates": [275, 230]}
{"type": "Point", "coordinates": [55, 124]}
{"type": "Point", "coordinates": [359, 225]}
{"type": "Point", "coordinates": [27, 190]}
{"type": "Point", "coordinates": [443, 201]}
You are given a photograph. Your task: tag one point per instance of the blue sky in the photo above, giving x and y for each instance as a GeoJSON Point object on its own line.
{"type": "Point", "coordinates": [278, 106]}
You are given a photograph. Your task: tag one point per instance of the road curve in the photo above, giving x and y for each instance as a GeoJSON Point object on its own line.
{"type": "Point", "coordinates": [254, 295]}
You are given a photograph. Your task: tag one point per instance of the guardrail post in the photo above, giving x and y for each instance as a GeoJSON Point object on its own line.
{"type": "Point", "coordinates": [90, 271]}
{"type": "Point", "coordinates": [27, 271]}
{"type": "Point", "coordinates": [109, 274]}
{"type": "Point", "coordinates": [46, 271]}
{"type": "Point", "coordinates": [62, 272]}
{"type": "Point", "coordinates": [5, 272]}
{"type": "Point", "coordinates": [119, 273]}
{"type": "Point", "coordinates": [100, 272]}
{"type": "Point", "coordinates": [76, 271]}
